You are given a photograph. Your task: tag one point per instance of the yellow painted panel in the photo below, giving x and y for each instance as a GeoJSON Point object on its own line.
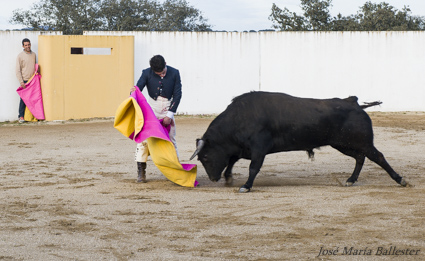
{"type": "Point", "coordinates": [51, 60]}
{"type": "Point", "coordinates": [77, 86]}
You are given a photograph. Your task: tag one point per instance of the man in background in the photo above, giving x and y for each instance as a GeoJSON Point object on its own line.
{"type": "Point", "coordinates": [25, 68]}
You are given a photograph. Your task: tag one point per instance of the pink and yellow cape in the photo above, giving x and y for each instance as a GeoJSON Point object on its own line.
{"type": "Point", "coordinates": [135, 119]}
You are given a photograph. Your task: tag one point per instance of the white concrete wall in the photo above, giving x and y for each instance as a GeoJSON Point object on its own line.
{"type": "Point", "coordinates": [10, 47]}
{"type": "Point", "coordinates": [386, 66]}
{"type": "Point", "coordinates": [217, 66]}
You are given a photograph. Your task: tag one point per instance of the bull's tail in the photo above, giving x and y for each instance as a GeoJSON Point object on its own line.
{"type": "Point", "coordinates": [370, 104]}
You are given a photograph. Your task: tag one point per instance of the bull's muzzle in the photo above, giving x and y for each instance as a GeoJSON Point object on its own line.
{"type": "Point", "coordinates": [214, 179]}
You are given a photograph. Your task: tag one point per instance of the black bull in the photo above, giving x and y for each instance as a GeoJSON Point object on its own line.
{"type": "Point", "coordinates": [259, 123]}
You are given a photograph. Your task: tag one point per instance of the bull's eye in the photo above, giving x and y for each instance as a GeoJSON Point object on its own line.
{"type": "Point", "coordinates": [205, 158]}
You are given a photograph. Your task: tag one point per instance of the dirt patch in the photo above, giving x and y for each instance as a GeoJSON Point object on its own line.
{"type": "Point", "coordinates": [404, 120]}
{"type": "Point", "coordinates": [68, 192]}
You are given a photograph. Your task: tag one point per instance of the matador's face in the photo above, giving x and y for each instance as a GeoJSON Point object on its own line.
{"type": "Point", "coordinates": [162, 73]}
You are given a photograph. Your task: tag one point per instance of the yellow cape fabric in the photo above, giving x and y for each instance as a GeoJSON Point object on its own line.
{"type": "Point", "coordinates": [129, 119]}
{"type": "Point", "coordinates": [28, 115]}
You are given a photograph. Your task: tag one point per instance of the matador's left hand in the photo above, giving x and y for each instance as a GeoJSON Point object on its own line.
{"type": "Point", "coordinates": [166, 121]}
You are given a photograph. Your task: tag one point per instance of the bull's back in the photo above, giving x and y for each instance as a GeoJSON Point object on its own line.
{"type": "Point", "coordinates": [296, 123]}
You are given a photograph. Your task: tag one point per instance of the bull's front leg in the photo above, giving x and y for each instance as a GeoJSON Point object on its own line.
{"type": "Point", "coordinates": [254, 168]}
{"type": "Point", "coordinates": [228, 173]}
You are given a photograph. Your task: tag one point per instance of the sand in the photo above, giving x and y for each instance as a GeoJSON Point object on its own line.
{"type": "Point", "coordinates": [68, 192]}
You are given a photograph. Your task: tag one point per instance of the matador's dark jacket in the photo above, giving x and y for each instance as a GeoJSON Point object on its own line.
{"type": "Point", "coordinates": [169, 86]}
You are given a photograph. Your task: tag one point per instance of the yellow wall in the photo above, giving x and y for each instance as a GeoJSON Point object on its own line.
{"type": "Point", "coordinates": [77, 86]}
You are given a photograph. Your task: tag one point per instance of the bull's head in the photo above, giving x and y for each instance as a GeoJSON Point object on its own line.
{"type": "Point", "coordinates": [212, 158]}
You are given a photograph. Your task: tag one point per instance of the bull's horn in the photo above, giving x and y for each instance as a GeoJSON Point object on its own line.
{"type": "Point", "coordinates": [199, 146]}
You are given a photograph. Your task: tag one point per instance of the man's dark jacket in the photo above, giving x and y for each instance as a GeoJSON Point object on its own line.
{"type": "Point", "coordinates": [171, 85]}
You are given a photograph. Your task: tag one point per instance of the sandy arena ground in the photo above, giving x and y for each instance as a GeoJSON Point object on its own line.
{"type": "Point", "coordinates": [68, 192]}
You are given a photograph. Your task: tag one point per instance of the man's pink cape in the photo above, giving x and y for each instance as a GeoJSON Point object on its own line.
{"type": "Point", "coordinates": [31, 95]}
{"type": "Point", "coordinates": [135, 119]}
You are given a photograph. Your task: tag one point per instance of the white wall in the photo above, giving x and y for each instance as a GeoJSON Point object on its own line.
{"type": "Point", "coordinates": [386, 66]}
{"type": "Point", "coordinates": [217, 66]}
{"type": "Point", "coordinates": [10, 47]}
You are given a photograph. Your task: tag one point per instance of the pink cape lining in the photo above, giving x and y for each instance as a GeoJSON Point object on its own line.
{"type": "Point", "coordinates": [31, 95]}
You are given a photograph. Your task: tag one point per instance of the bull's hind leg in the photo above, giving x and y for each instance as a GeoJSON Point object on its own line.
{"type": "Point", "coordinates": [359, 164]}
{"type": "Point", "coordinates": [359, 157]}
{"type": "Point", "coordinates": [374, 155]}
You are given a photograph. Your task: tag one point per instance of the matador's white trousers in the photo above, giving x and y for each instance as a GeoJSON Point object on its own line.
{"type": "Point", "coordinates": [160, 108]}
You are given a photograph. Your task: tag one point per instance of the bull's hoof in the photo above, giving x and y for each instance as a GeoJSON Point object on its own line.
{"type": "Point", "coordinates": [403, 182]}
{"type": "Point", "coordinates": [229, 181]}
{"type": "Point", "coordinates": [244, 190]}
{"type": "Point", "coordinates": [349, 184]}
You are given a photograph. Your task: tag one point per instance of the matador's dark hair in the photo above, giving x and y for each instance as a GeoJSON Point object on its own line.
{"type": "Point", "coordinates": [157, 63]}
